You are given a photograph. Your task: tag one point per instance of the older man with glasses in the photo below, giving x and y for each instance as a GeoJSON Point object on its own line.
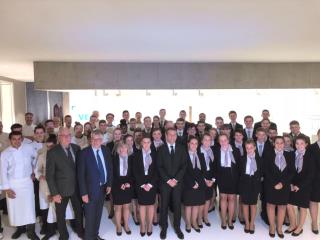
{"type": "Point", "coordinates": [62, 181]}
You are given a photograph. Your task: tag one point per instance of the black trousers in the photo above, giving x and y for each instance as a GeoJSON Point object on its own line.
{"type": "Point", "coordinates": [92, 212]}
{"type": "Point", "coordinates": [61, 215]}
{"type": "Point", "coordinates": [170, 196]}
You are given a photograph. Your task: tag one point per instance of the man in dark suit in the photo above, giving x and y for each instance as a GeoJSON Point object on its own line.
{"type": "Point", "coordinates": [233, 123]}
{"type": "Point", "coordinates": [181, 131]}
{"type": "Point", "coordinates": [94, 169]}
{"type": "Point", "coordinates": [263, 147]}
{"type": "Point", "coordinates": [202, 118]}
{"type": "Point", "coordinates": [171, 162]}
{"type": "Point", "coordinates": [62, 181]}
{"type": "Point", "coordinates": [295, 132]}
{"type": "Point", "coordinates": [265, 115]}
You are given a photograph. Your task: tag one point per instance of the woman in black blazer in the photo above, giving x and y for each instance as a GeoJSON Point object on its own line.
{"type": "Point", "coordinates": [122, 188]}
{"type": "Point", "coordinates": [193, 194]}
{"type": "Point", "coordinates": [205, 154]}
{"type": "Point", "coordinates": [155, 145]}
{"type": "Point", "coordinates": [250, 184]}
{"type": "Point", "coordinates": [240, 145]}
{"type": "Point", "coordinates": [300, 186]}
{"type": "Point", "coordinates": [315, 192]}
{"type": "Point", "coordinates": [278, 171]}
{"type": "Point", "coordinates": [145, 174]}
{"type": "Point", "coordinates": [226, 173]}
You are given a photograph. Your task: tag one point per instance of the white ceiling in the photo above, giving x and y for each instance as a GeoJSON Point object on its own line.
{"type": "Point", "coordinates": [163, 30]}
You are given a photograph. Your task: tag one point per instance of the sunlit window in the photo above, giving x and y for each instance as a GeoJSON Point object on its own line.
{"type": "Point", "coordinates": [284, 104]}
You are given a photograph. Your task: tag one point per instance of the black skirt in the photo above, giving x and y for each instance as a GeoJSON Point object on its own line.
{"type": "Point", "coordinates": [249, 190]}
{"type": "Point", "coordinates": [227, 182]}
{"type": "Point", "coordinates": [146, 198]}
{"type": "Point", "coordinates": [194, 197]}
{"type": "Point", "coordinates": [315, 192]}
{"type": "Point", "coordinates": [277, 197]}
{"type": "Point", "coordinates": [300, 198]}
{"type": "Point", "coordinates": [121, 197]}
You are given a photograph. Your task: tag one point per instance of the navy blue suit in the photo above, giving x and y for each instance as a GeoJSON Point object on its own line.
{"type": "Point", "coordinates": [89, 184]}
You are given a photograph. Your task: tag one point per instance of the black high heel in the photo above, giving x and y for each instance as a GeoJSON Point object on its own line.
{"type": "Point", "coordinates": [223, 227]}
{"type": "Point", "coordinates": [149, 234]}
{"type": "Point", "coordinates": [231, 227]}
{"type": "Point", "coordinates": [196, 229]}
{"type": "Point", "coordinates": [297, 234]}
{"type": "Point", "coordinates": [280, 235]}
{"type": "Point", "coordinates": [272, 235]}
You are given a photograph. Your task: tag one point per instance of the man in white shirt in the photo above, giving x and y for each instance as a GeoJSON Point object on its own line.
{"type": "Point", "coordinates": [17, 127]}
{"type": "Point", "coordinates": [28, 128]}
{"type": "Point", "coordinates": [17, 164]}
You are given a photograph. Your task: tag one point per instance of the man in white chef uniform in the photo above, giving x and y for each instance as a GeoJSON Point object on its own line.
{"type": "Point", "coordinates": [17, 162]}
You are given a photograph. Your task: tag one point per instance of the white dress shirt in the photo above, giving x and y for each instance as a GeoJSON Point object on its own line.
{"type": "Point", "coordinates": [223, 153]}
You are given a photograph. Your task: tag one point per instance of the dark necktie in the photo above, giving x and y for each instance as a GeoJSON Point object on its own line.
{"type": "Point", "coordinates": [70, 158]}
{"type": "Point", "coordinates": [172, 152]}
{"type": "Point", "coordinates": [100, 167]}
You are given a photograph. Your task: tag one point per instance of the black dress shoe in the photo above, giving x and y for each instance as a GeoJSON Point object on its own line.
{"type": "Point", "coordinates": [48, 236]}
{"type": "Point", "coordinates": [289, 231]}
{"type": "Point", "coordinates": [179, 233]}
{"type": "Point", "coordinates": [297, 234]}
{"type": "Point", "coordinates": [149, 234]}
{"type": "Point", "coordinates": [99, 238]}
{"type": "Point", "coordinates": [223, 227]}
{"type": "Point", "coordinates": [111, 215]}
{"type": "Point", "coordinates": [33, 236]}
{"type": "Point", "coordinates": [43, 230]}
{"type": "Point", "coordinates": [315, 231]}
{"type": "Point", "coordinates": [18, 232]}
{"type": "Point", "coordinates": [163, 234]}
{"type": "Point", "coordinates": [142, 234]}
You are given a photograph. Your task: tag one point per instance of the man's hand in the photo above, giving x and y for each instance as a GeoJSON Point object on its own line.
{"type": "Point", "coordinates": [123, 187]}
{"type": "Point", "coordinates": [296, 188]}
{"type": "Point", "coordinates": [10, 193]}
{"type": "Point", "coordinates": [33, 176]}
{"type": "Point", "coordinates": [127, 185]}
{"type": "Point", "coordinates": [57, 198]}
{"type": "Point", "coordinates": [108, 190]}
{"type": "Point", "coordinates": [196, 186]}
{"type": "Point", "coordinates": [146, 187]}
{"type": "Point", "coordinates": [85, 198]}
{"type": "Point", "coordinates": [171, 183]}
{"type": "Point", "coordinates": [279, 186]}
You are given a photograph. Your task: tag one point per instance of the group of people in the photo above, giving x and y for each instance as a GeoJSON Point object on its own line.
{"type": "Point", "coordinates": [148, 167]}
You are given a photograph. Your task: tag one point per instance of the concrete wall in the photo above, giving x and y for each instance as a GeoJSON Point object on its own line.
{"type": "Point", "coordinates": [107, 75]}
